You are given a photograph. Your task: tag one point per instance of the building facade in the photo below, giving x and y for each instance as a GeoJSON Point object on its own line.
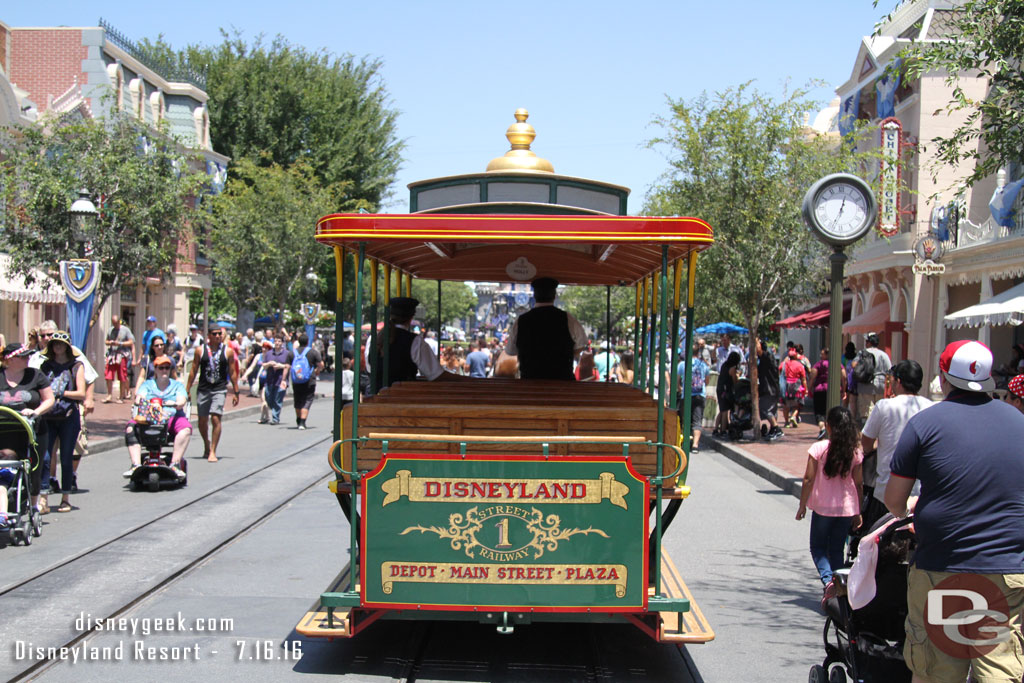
{"type": "Point", "coordinates": [92, 72]}
{"type": "Point", "coordinates": [945, 250]}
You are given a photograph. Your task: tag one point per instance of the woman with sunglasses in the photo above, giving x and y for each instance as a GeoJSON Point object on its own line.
{"type": "Point", "coordinates": [63, 365]}
{"type": "Point", "coordinates": [26, 390]}
{"type": "Point", "coordinates": [173, 397]}
{"type": "Point", "coordinates": [157, 349]}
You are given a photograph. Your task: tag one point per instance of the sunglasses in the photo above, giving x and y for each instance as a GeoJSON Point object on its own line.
{"type": "Point", "coordinates": [216, 334]}
{"type": "Point", "coordinates": [164, 367]}
{"type": "Point", "coordinates": [45, 335]}
{"type": "Point", "coordinates": [157, 344]}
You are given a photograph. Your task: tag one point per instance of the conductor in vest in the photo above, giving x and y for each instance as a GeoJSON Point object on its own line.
{"type": "Point", "coordinates": [407, 352]}
{"type": "Point", "coordinates": [546, 339]}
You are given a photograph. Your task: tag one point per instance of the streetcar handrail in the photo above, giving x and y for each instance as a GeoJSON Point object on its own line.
{"type": "Point", "coordinates": [336, 465]}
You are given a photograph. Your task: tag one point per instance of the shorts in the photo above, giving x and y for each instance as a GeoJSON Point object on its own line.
{"type": "Point", "coordinates": [304, 394]}
{"type": "Point", "coordinates": [696, 413]}
{"type": "Point", "coordinates": [210, 402]}
{"type": "Point", "coordinates": [820, 405]}
{"type": "Point", "coordinates": [927, 660]}
{"type": "Point", "coordinates": [116, 370]}
{"type": "Point", "coordinates": [767, 406]}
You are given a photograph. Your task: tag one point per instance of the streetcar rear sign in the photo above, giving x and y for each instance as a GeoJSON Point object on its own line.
{"type": "Point", "coordinates": [524, 533]}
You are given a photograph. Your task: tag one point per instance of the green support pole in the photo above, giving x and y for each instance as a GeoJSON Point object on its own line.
{"type": "Point", "coordinates": [636, 337]}
{"type": "Point", "coordinates": [641, 360]}
{"type": "Point", "coordinates": [439, 323]}
{"type": "Point", "coordinates": [691, 280]}
{"type": "Point", "coordinates": [357, 369]}
{"type": "Point", "coordinates": [674, 364]}
{"type": "Point", "coordinates": [386, 344]}
{"type": "Point", "coordinates": [339, 330]}
{"type": "Point", "coordinates": [374, 370]}
{"type": "Point", "coordinates": [653, 351]}
{"type": "Point", "coordinates": [663, 282]}
{"type": "Point", "coordinates": [835, 331]}
{"type": "Point", "coordinates": [608, 334]}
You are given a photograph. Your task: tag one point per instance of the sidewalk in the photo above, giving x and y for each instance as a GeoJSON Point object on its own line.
{"type": "Point", "coordinates": [107, 422]}
{"type": "Point", "coordinates": [781, 462]}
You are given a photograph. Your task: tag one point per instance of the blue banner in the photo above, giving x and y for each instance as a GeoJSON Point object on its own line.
{"type": "Point", "coordinates": [848, 113]}
{"type": "Point", "coordinates": [1001, 204]}
{"type": "Point", "coordinates": [885, 91]}
{"type": "Point", "coordinates": [311, 332]}
{"type": "Point", "coordinates": [80, 279]}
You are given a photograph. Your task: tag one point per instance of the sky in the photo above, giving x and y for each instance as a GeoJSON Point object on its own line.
{"type": "Point", "coordinates": [593, 74]}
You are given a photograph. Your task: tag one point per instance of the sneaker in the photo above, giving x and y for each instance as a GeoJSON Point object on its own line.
{"type": "Point", "coordinates": [130, 471]}
{"type": "Point", "coordinates": [694, 449]}
{"type": "Point", "coordinates": [274, 422]}
{"type": "Point", "coordinates": [178, 472]}
{"type": "Point", "coordinates": [302, 426]}
{"type": "Point", "coordinates": [3, 520]}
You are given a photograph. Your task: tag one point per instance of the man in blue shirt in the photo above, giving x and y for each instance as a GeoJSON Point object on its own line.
{"type": "Point", "coordinates": [698, 380]}
{"type": "Point", "coordinates": [969, 520]}
{"type": "Point", "coordinates": [606, 362]}
{"type": "Point", "coordinates": [478, 361]}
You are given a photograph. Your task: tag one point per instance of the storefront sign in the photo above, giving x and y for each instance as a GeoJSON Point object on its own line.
{"type": "Point", "coordinates": [928, 252]}
{"type": "Point", "coordinates": [488, 532]}
{"type": "Point", "coordinates": [889, 200]}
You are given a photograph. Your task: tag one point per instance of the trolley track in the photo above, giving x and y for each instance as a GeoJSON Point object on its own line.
{"type": "Point", "coordinates": [124, 565]}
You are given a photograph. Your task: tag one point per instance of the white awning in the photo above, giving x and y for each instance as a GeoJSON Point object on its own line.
{"type": "Point", "coordinates": [1002, 309]}
{"type": "Point", "coordinates": [45, 290]}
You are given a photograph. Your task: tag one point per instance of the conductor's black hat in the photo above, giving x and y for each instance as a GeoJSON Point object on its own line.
{"type": "Point", "coordinates": [545, 284]}
{"type": "Point", "coordinates": [403, 306]}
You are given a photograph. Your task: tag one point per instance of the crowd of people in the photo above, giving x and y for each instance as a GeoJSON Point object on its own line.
{"type": "Point", "coordinates": [52, 383]}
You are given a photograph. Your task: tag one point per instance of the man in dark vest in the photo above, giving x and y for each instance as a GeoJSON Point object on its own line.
{"type": "Point", "coordinates": [547, 339]}
{"type": "Point", "coordinates": [407, 352]}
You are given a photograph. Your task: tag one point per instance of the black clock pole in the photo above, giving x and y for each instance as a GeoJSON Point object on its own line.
{"type": "Point", "coordinates": [835, 328]}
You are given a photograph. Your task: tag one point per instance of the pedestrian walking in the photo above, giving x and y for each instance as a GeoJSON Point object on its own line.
{"type": "Point", "coordinates": [120, 352]}
{"type": "Point", "coordinates": [870, 369]}
{"type": "Point", "coordinates": [969, 522]}
{"type": "Point", "coordinates": [307, 365]}
{"type": "Point", "coordinates": [277, 363]}
{"type": "Point", "coordinates": [883, 429]}
{"type": "Point", "coordinates": [832, 489]}
{"type": "Point", "coordinates": [796, 388]}
{"type": "Point", "coordinates": [216, 364]}
{"type": "Point", "coordinates": [699, 371]}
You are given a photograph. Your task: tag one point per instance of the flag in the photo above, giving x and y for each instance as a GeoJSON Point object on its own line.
{"type": "Point", "coordinates": [848, 113]}
{"type": "Point", "coordinates": [885, 90]}
{"type": "Point", "coordinates": [1001, 204]}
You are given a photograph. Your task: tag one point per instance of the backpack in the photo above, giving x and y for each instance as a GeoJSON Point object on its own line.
{"type": "Point", "coordinates": [301, 369]}
{"type": "Point", "coordinates": [864, 373]}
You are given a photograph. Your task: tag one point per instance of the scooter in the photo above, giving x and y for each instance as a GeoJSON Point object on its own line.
{"type": "Point", "coordinates": [155, 470]}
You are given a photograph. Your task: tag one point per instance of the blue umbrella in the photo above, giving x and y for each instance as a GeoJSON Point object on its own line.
{"type": "Point", "coordinates": [721, 328]}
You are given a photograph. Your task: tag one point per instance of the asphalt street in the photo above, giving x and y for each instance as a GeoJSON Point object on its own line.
{"type": "Point", "coordinates": [735, 542]}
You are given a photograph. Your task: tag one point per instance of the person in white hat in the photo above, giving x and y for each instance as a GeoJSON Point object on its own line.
{"type": "Point", "coordinates": [967, 453]}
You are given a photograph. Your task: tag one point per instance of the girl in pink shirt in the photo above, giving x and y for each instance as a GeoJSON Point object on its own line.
{"type": "Point", "coordinates": [833, 489]}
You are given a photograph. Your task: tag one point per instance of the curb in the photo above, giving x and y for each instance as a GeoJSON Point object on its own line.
{"type": "Point", "coordinates": [747, 460]}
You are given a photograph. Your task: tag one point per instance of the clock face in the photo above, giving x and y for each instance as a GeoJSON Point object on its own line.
{"type": "Point", "coordinates": [841, 210]}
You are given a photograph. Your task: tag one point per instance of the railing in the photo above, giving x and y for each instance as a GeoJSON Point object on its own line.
{"type": "Point", "coordinates": [170, 72]}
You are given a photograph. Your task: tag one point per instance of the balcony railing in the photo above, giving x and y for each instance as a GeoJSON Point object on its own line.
{"type": "Point", "coordinates": [170, 72]}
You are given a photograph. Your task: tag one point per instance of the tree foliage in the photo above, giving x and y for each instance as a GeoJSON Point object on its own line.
{"type": "Point", "coordinates": [260, 235]}
{"type": "Point", "coordinates": [986, 39]}
{"type": "Point", "coordinates": [281, 104]}
{"type": "Point", "coordinates": [140, 180]}
{"type": "Point", "coordinates": [458, 300]}
{"type": "Point", "coordinates": [742, 161]}
{"type": "Point", "coordinates": [590, 306]}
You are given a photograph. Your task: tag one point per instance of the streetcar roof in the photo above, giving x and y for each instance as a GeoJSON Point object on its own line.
{"type": "Point", "coordinates": [575, 249]}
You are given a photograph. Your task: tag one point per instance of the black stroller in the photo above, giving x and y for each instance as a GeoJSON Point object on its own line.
{"type": "Point", "coordinates": [17, 434]}
{"type": "Point", "coordinates": [868, 642]}
{"type": "Point", "coordinates": [742, 416]}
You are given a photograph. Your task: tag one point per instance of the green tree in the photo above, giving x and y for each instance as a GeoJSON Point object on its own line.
{"type": "Point", "coordinates": [458, 300]}
{"type": "Point", "coordinates": [590, 306]}
{"type": "Point", "coordinates": [280, 103]}
{"type": "Point", "coordinates": [140, 180]}
{"type": "Point", "coordinates": [986, 38]}
{"type": "Point", "coordinates": [260, 235]}
{"type": "Point", "coordinates": [742, 161]}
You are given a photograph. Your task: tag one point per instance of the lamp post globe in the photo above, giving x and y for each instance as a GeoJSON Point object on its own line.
{"type": "Point", "coordinates": [83, 212]}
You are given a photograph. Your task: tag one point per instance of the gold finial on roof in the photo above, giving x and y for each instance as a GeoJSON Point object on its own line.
{"type": "Point", "coordinates": [520, 134]}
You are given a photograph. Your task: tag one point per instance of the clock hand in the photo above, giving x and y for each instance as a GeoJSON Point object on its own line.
{"type": "Point", "coordinates": [838, 215]}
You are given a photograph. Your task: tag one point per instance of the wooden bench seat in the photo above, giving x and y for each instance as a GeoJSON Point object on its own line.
{"type": "Point", "coordinates": [513, 408]}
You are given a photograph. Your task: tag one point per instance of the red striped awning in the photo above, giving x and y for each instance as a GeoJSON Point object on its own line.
{"type": "Point", "coordinates": [813, 317]}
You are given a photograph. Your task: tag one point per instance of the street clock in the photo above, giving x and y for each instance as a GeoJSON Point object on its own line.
{"type": "Point", "coordinates": [839, 209]}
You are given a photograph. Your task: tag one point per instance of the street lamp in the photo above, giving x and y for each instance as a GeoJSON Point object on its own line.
{"type": "Point", "coordinates": [83, 213]}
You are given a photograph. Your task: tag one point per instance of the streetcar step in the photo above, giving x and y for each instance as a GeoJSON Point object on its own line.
{"type": "Point", "coordinates": [680, 627]}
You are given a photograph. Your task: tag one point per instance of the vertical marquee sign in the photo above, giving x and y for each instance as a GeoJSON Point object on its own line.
{"type": "Point", "coordinates": [566, 534]}
{"type": "Point", "coordinates": [889, 201]}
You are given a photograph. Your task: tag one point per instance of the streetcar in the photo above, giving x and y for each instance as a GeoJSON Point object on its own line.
{"type": "Point", "coordinates": [509, 501]}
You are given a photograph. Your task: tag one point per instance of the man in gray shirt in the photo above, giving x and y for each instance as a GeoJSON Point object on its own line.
{"type": "Point", "coordinates": [869, 393]}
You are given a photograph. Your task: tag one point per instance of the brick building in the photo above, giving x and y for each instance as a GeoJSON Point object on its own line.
{"type": "Point", "coordinates": [90, 72]}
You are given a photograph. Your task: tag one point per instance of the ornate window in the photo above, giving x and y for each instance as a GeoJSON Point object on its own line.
{"type": "Point", "coordinates": [157, 105]}
{"type": "Point", "coordinates": [137, 89]}
{"type": "Point", "coordinates": [116, 75]}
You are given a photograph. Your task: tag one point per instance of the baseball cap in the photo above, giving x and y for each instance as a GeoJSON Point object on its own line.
{"type": "Point", "coordinates": [151, 319]}
{"type": "Point", "coordinates": [193, 326]}
{"type": "Point", "coordinates": [16, 349]}
{"type": "Point", "coordinates": [162, 360]}
{"type": "Point", "coordinates": [968, 365]}
{"type": "Point", "coordinates": [1016, 386]}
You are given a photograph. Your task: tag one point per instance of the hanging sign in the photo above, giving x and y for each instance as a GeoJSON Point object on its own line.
{"type": "Point", "coordinates": [928, 252]}
{"type": "Point", "coordinates": [889, 200]}
{"type": "Point", "coordinates": [79, 278]}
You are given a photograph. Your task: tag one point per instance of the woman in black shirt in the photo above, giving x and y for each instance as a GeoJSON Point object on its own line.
{"type": "Point", "coordinates": [27, 391]}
